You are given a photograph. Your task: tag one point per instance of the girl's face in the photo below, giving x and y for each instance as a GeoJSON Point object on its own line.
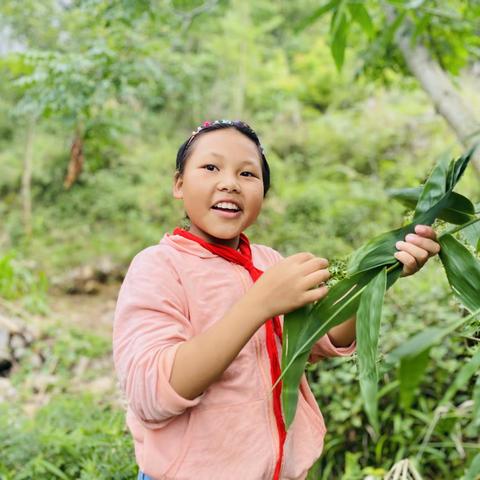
{"type": "Point", "coordinates": [224, 165]}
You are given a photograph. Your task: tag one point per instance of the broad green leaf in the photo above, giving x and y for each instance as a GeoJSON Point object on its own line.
{"type": "Point", "coordinates": [340, 304]}
{"type": "Point", "coordinates": [458, 209]}
{"type": "Point", "coordinates": [362, 17]}
{"type": "Point", "coordinates": [300, 334]}
{"type": "Point", "coordinates": [367, 331]}
{"type": "Point", "coordinates": [462, 377]}
{"type": "Point", "coordinates": [458, 168]}
{"type": "Point", "coordinates": [432, 201]}
{"type": "Point", "coordinates": [410, 374]}
{"type": "Point", "coordinates": [463, 271]}
{"type": "Point", "coordinates": [292, 326]}
{"type": "Point", "coordinates": [434, 188]}
{"type": "Point", "coordinates": [473, 471]}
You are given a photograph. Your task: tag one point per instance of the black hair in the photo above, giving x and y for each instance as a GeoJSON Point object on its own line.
{"type": "Point", "coordinates": [185, 149]}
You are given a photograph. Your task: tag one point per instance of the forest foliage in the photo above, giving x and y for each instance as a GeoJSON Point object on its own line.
{"type": "Point", "coordinates": [95, 99]}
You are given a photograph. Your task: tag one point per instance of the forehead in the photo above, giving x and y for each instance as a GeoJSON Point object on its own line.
{"type": "Point", "coordinates": [229, 143]}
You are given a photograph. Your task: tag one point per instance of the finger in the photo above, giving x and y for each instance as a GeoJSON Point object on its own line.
{"type": "Point", "coordinates": [409, 264]}
{"type": "Point", "coordinates": [302, 256]}
{"type": "Point", "coordinates": [315, 294]}
{"type": "Point", "coordinates": [426, 231]}
{"type": "Point", "coordinates": [419, 254]}
{"type": "Point", "coordinates": [316, 278]}
{"type": "Point", "coordinates": [313, 264]}
{"type": "Point", "coordinates": [431, 246]}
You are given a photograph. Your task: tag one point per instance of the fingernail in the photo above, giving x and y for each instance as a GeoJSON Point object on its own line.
{"type": "Point", "coordinates": [420, 228]}
{"type": "Point", "coordinates": [410, 236]}
{"type": "Point", "coordinates": [399, 244]}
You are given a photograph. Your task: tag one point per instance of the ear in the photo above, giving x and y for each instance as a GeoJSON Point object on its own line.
{"type": "Point", "coordinates": [177, 189]}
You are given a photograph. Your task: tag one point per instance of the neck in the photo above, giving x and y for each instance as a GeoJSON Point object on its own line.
{"type": "Point", "coordinates": [228, 242]}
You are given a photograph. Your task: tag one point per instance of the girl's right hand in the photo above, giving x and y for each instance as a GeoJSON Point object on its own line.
{"type": "Point", "coordinates": [290, 284]}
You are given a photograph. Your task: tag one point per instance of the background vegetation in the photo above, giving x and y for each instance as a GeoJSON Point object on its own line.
{"type": "Point", "coordinates": [95, 99]}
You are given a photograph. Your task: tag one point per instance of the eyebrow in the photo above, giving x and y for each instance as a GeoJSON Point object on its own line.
{"type": "Point", "coordinates": [244, 162]}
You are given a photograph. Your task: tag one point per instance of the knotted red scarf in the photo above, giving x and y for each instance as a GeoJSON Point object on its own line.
{"type": "Point", "coordinates": [244, 258]}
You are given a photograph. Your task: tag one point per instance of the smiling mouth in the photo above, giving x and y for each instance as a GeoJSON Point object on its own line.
{"type": "Point", "coordinates": [226, 209]}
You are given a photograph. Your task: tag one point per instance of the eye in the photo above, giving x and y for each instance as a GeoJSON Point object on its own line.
{"type": "Point", "coordinates": [249, 173]}
{"type": "Point", "coordinates": [209, 165]}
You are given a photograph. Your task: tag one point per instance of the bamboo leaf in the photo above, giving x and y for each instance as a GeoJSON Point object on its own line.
{"type": "Point", "coordinates": [315, 15]}
{"type": "Point", "coordinates": [432, 201]}
{"type": "Point", "coordinates": [367, 330]}
{"type": "Point", "coordinates": [292, 326]}
{"type": "Point", "coordinates": [459, 167]}
{"type": "Point", "coordinates": [300, 335]}
{"type": "Point", "coordinates": [463, 376]}
{"type": "Point", "coordinates": [458, 209]}
{"type": "Point", "coordinates": [362, 17]}
{"type": "Point", "coordinates": [339, 32]}
{"type": "Point", "coordinates": [463, 271]}
{"type": "Point", "coordinates": [434, 188]}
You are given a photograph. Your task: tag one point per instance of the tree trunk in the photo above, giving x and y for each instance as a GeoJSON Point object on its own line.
{"type": "Point", "coordinates": [438, 86]}
{"type": "Point", "coordinates": [76, 160]}
{"type": "Point", "coordinates": [27, 179]}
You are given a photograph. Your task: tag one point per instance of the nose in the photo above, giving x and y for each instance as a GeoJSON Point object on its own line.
{"type": "Point", "coordinates": [229, 183]}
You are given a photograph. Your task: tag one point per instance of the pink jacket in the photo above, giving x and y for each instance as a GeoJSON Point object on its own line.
{"type": "Point", "coordinates": [172, 292]}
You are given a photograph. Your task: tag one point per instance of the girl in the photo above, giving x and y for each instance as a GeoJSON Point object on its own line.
{"type": "Point", "coordinates": [198, 326]}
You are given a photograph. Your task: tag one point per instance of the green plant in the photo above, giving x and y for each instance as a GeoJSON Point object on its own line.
{"type": "Point", "coordinates": [372, 269]}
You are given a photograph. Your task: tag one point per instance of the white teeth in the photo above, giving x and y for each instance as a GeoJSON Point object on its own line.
{"type": "Point", "coordinates": [229, 205]}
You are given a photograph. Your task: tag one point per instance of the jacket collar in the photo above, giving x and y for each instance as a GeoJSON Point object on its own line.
{"type": "Point", "coordinates": [186, 245]}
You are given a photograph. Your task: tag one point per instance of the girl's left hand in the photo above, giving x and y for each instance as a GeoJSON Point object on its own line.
{"type": "Point", "coordinates": [417, 249]}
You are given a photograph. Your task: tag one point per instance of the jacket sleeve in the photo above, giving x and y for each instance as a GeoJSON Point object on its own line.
{"type": "Point", "coordinates": [323, 347]}
{"type": "Point", "coordinates": [150, 323]}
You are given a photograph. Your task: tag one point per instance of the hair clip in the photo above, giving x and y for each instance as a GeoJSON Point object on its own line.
{"type": "Point", "coordinates": [208, 123]}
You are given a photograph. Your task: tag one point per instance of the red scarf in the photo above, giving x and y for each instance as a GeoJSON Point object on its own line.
{"type": "Point", "coordinates": [244, 258]}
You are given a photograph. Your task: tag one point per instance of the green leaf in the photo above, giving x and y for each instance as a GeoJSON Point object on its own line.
{"type": "Point", "coordinates": [463, 271]}
{"type": "Point", "coordinates": [462, 377]}
{"type": "Point", "coordinates": [434, 188]}
{"type": "Point", "coordinates": [458, 209]}
{"type": "Point", "coordinates": [410, 374]}
{"type": "Point", "coordinates": [339, 37]}
{"type": "Point", "coordinates": [458, 168]}
{"type": "Point", "coordinates": [315, 15]}
{"type": "Point", "coordinates": [476, 402]}
{"type": "Point", "coordinates": [362, 17]}
{"type": "Point", "coordinates": [299, 335]}
{"type": "Point", "coordinates": [433, 200]}
{"type": "Point", "coordinates": [301, 329]}
{"type": "Point", "coordinates": [293, 324]}
{"type": "Point", "coordinates": [474, 470]}
{"type": "Point", "coordinates": [367, 331]}
{"type": "Point", "coordinates": [413, 356]}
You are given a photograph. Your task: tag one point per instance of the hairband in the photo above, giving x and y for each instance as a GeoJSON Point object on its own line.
{"type": "Point", "coordinates": [228, 122]}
